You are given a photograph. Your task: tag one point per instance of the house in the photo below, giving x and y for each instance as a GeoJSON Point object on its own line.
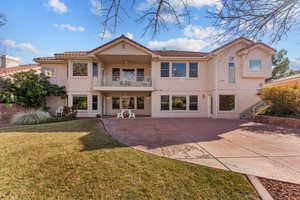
{"type": "Point", "coordinates": [124, 74]}
{"type": "Point", "coordinates": [290, 80]}
{"type": "Point", "coordinates": [8, 61]}
{"type": "Point", "coordinates": [5, 72]}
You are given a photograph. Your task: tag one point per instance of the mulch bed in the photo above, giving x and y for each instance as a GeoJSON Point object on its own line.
{"type": "Point", "coordinates": [281, 190]}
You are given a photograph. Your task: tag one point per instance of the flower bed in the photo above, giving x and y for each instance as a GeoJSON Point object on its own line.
{"type": "Point", "coordinates": [279, 121]}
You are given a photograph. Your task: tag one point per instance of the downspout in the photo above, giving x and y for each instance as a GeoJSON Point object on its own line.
{"type": "Point", "coordinates": [217, 95]}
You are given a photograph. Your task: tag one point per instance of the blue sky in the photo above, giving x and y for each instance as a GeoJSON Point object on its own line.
{"type": "Point", "coordinates": [42, 27]}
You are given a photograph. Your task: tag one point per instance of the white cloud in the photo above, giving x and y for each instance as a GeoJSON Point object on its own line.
{"type": "Point", "coordinates": [69, 27]}
{"type": "Point", "coordinates": [58, 6]}
{"type": "Point", "coordinates": [104, 35]}
{"type": "Point", "coordinates": [295, 64]}
{"type": "Point", "coordinates": [199, 32]}
{"type": "Point", "coordinates": [27, 47]}
{"type": "Point", "coordinates": [184, 44]}
{"type": "Point", "coordinates": [95, 7]}
{"type": "Point", "coordinates": [179, 4]}
{"type": "Point", "coordinates": [129, 35]}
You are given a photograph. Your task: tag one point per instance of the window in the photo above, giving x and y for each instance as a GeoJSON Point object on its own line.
{"type": "Point", "coordinates": [178, 69]}
{"type": "Point", "coordinates": [80, 102]}
{"type": "Point", "coordinates": [164, 69]}
{"type": "Point", "coordinates": [255, 65]}
{"type": "Point", "coordinates": [48, 71]}
{"type": "Point", "coordinates": [226, 102]}
{"type": "Point", "coordinates": [95, 70]}
{"type": "Point", "coordinates": [193, 102]}
{"type": "Point", "coordinates": [80, 69]}
{"type": "Point", "coordinates": [127, 102]}
{"type": "Point", "coordinates": [115, 103]}
{"type": "Point", "coordinates": [95, 102]}
{"type": "Point", "coordinates": [128, 74]}
{"type": "Point", "coordinates": [140, 75]}
{"type": "Point", "coordinates": [140, 103]}
{"type": "Point", "coordinates": [193, 70]}
{"type": "Point", "coordinates": [115, 74]}
{"type": "Point", "coordinates": [231, 70]}
{"type": "Point", "coordinates": [164, 103]}
{"type": "Point", "coordinates": [178, 103]}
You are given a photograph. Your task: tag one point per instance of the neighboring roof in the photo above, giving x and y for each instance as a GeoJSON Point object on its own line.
{"type": "Point", "coordinates": [289, 78]}
{"type": "Point", "coordinates": [163, 53]}
{"type": "Point", "coordinates": [20, 68]}
{"type": "Point", "coordinates": [174, 53]}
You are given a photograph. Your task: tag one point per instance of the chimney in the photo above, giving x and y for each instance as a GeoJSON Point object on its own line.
{"type": "Point", "coordinates": [9, 61]}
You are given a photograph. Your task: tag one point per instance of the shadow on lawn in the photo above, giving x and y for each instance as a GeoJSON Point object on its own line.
{"type": "Point", "coordinates": [161, 132]}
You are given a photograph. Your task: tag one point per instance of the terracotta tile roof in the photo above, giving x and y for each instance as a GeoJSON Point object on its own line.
{"type": "Point", "coordinates": [254, 44]}
{"type": "Point", "coordinates": [20, 68]}
{"type": "Point", "coordinates": [174, 53]}
{"type": "Point", "coordinates": [229, 43]}
{"type": "Point", "coordinates": [45, 59]}
{"type": "Point", "coordinates": [71, 53]}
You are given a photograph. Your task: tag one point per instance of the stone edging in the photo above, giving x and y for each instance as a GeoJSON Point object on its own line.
{"type": "Point", "coordinates": [261, 190]}
{"type": "Point", "coordinates": [279, 121]}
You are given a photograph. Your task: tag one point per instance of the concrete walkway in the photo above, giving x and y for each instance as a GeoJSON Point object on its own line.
{"type": "Point", "coordinates": [245, 147]}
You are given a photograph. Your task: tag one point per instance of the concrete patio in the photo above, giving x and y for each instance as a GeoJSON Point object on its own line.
{"type": "Point", "coordinates": [245, 147]}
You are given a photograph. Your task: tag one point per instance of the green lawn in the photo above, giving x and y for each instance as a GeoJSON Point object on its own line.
{"type": "Point", "coordinates": [78, 160]}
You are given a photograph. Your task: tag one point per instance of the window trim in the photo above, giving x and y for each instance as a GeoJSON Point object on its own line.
{"type": "Point", "coordinates": [80, 61]}
{"type": "Point", "coordinates": [255, 70]}
{"type": "Point", "coordinates": [227, 111]}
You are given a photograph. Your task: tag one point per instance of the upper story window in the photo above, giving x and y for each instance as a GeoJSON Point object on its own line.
{"type": "Point", "coordinates": [231, 70]}
{"type": "Point", "coordinates": [178, 69]}
{"type": "Point", "coordinates": [80, 69]}
{"type": "Point", "coordinates": [48, 71]}
{"type": "Point", "coordinates": [95, 70]}
{"type": "Point", "coordinates": [193, 73]}
{"type": "Point", "coordinates": [164, 69]}
{"type": "Point", "coordinates": [140, 74]}
{"type": "Point", "coordinates": [255, 65]}
{"type": "Point", "coordinates": [115, 74]}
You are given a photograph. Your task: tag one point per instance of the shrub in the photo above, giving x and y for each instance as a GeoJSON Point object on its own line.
{"type": "Point", "coordinates": [70, 112]}
{"type": "Point", "coordinates": [30, 117]}
{"type": "Point", "coordinates": [283, 101]}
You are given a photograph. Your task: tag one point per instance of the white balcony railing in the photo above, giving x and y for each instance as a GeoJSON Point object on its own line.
{"type": "Point", "coordinates": [116, 81]}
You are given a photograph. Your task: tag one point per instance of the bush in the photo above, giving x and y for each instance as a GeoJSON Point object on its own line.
{"type": "Point", "coordinates": [282, 101]}
{"type": "Point", "coordinates": [30, 117]}
{"type": "Point", "coordinates": [70, 112]}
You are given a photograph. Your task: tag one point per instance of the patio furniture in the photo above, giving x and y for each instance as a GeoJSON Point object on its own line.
{"type": "Point", "coordinates": [121, 114]}
{"type": "Point", "coordinates": [59, 111]}
{"type": "Point", "coordinates": [131, 114]}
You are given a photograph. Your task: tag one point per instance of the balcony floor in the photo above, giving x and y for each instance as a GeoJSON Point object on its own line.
{"type": "Point", "coordinates": [123, 88]}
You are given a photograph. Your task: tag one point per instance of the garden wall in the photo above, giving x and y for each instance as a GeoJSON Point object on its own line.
{"type": "Point", "coordinates": [279, 121]}
{"type": "Point", "coordinates": [6, 111]}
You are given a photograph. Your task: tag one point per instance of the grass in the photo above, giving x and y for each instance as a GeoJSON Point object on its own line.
{"type": "Point", "coordinates": [78, 160]}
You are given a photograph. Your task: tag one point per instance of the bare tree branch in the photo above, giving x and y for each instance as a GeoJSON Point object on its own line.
{"type": "Point", "coordinates": [256, 19]}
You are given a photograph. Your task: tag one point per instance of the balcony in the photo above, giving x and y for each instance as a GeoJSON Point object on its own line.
{"type": "Point", "coordinates": [115, 83]}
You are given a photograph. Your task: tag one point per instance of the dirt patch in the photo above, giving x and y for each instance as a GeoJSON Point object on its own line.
{"type": "Point", "coordinates": [281, 190]}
